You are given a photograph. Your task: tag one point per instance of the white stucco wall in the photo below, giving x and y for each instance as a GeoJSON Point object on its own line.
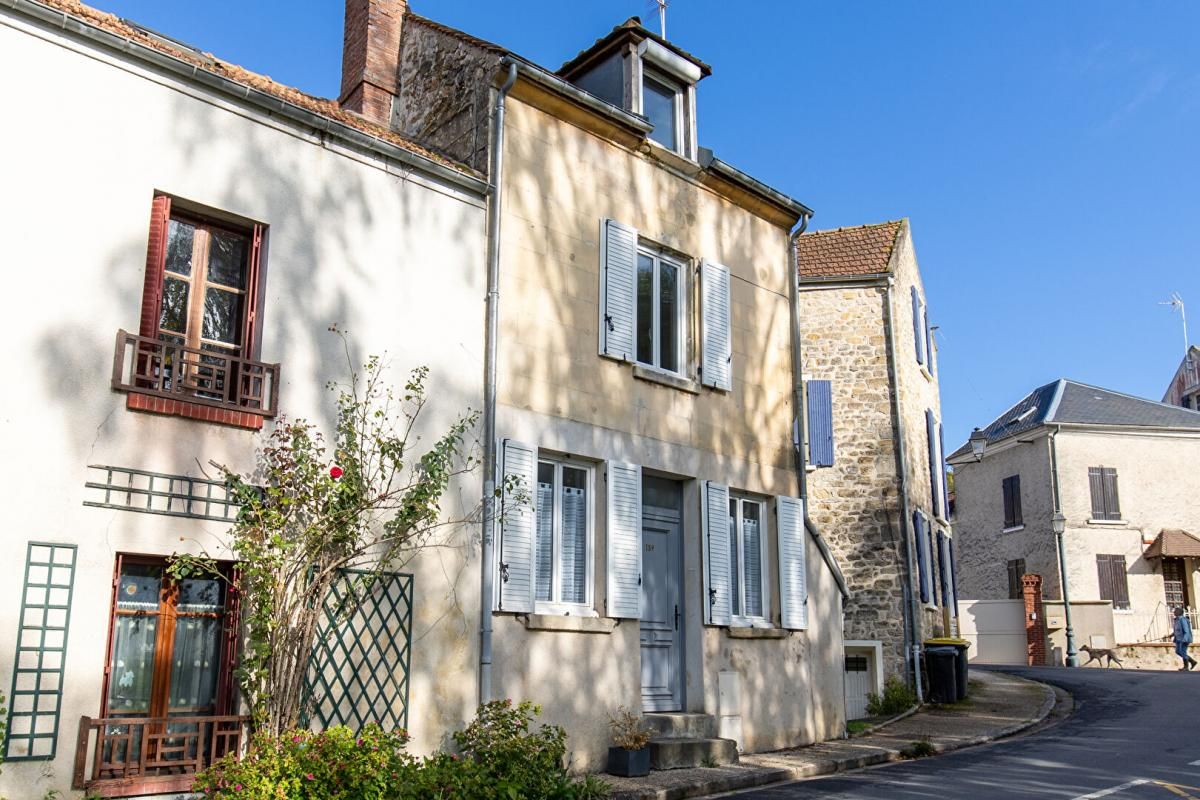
{"type": "Point", "coordinates": [391, 256]}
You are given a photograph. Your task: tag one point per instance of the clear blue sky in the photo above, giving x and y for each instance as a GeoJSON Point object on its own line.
{"type": "Point", "coordinates": [1047, 153]}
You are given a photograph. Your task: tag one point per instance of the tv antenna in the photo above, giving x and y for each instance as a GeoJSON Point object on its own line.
{"type": "Point", "coordinates": [1176, 303]}
{"type": "Point", "coordinates": [662, 16]}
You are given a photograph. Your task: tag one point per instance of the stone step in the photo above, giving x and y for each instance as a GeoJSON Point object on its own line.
{"type": "Point", "coordinates": [674, 725]}
{"type": "Point", "coordinates": [681, 753]}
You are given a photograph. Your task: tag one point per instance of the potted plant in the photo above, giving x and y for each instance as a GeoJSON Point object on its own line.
{"type": "Point", "coordinates": [630, 755]}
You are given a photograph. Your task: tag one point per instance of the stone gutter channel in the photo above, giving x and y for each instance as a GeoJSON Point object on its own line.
{"type": "Point", "coordinates": [999, 706]}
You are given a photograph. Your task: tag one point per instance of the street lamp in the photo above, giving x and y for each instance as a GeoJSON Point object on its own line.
{"type": "Point", "coordinates": [978, 442]}
{"type": "Point", "coordinates": [1058, 523]}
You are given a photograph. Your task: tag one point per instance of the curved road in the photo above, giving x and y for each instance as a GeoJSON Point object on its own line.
{"type": "Point", "coordinates": [1133, 736]}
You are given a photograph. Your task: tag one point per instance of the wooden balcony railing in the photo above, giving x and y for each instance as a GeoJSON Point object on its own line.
{"type": "Point", "coordinates": [207, 377]}
{"type": "Point", "coordinates": [148, 755]}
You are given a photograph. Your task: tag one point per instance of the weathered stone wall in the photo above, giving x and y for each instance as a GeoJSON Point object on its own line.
{"type": "Point", "coordinates": [855, 502]}
{"type": "Point", "coordinates": [444, 92]}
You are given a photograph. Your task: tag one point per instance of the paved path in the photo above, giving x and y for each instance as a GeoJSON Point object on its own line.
{"type": "Point", "coordinates": [1132, 737]}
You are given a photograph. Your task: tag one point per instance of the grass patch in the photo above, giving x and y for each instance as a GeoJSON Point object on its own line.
{"type": "Point", "coordinates": [709, 762]}
{"type": "Point", "coordinates": [922, 748]}
{"type": "Point", "coordinates": [856, 726]}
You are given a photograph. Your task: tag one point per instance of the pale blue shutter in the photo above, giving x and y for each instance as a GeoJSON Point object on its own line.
{"type": "Point", "coordinates": [793, 575]}
{"type": "Point", "coordinates": [919, 539]}
{"type": "Point", "coordinates": [918, 325]}
{"type": "Point", "coordinates": [944, 567]}
{"type": "Point", "coordinates": [935, 484]}
{"type": "Point", "coordinates": [618, 289]}
{"type": "Point", "coordinates": [929, 349]}
{"type": "Point", "coordinates": [820, 423]}
{"type": "Point", "coordinates": [718, 596]}
{"type": "Point", "coordinates": [624, 540]}
{"type": "Point", "coordinates": [716, 368]}
{"type": "Point", "coordinates": [518, 525]}
{"type": "Point", "coordinates": [942, 472]}
{"type": "Point", "coordinates": [953, 577]}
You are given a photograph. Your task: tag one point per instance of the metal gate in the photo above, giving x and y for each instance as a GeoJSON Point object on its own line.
{"type": "Point", "coordinates": [358, 673]}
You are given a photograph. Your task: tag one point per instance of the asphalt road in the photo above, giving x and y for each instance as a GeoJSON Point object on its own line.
{"type": "Point", "coordinates": [1133, 736]}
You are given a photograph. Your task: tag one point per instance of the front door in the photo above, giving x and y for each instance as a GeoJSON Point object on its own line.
{"type": "Point", "coordinates": [1175, 582]}
{"type": "Point", "coordinates": [662, 570]}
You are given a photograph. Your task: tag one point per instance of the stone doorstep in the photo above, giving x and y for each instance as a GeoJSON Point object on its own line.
{"type": "Point", "coordinates": [681, 725]}
{"type": "Point", "coordinates": [684, 783]}
{"type": "Point", "coordinates": [681, 753]}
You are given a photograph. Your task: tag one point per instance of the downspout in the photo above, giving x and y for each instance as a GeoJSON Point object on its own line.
{"type": "Point", "coordinates": [910, 597]}
{"type": "Point", "coordinates": [798, 405]}
{"type": "Point", "coordinates": [492, 312]}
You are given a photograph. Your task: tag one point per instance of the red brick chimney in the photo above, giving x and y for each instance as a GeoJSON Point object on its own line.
{"type": "Point", "coordinates": [371, 56]}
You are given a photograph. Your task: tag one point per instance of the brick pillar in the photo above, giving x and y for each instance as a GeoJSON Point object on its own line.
{"type": "Point", "coordinates": [371, 57]}
{"type": "Point", "coordinates": [1035, 621]}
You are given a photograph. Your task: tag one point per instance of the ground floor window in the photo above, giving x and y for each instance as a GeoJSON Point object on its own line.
{"type": "Point", "coordinates": [1114, 584]}
{"type": "Point", "coordinates": [564, 533]}
{"type": "Point", "coordinates": [747, 544]}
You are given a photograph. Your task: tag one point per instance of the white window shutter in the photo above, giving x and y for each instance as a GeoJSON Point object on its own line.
{"type": "Point", "coordinates": [716, 367]}
{"type": "Point", "coordinates": [518, 525]}
{"type": "Point", "coordinates": [618, 289]}
{"type": "Point", "coordinates": [624, 540]}
{"type": "Point", "coordinates": [718, 594]}
{"type": "Point", "coordinates": [793, 575]}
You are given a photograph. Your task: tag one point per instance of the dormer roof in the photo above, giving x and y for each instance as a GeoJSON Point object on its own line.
{"type": "Point", "coordinates": [631, 31]}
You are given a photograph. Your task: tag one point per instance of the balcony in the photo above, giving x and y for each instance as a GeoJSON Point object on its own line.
{"type": "Point", "coordinates": [151, 755]}
{"type": "Point", "coordinates": [200, 377]}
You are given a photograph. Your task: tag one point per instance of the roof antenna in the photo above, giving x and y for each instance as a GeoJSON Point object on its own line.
{"type": "Point", "coordinates": [1176, 302]}
{"type": "Point", "coordinates": [662, 17]}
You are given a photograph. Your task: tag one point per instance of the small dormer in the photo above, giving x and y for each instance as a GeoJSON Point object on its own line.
{"type": "Point", "coordinates": [641, 72]}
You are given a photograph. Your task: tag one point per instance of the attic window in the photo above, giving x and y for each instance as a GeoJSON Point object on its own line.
{"type": "Point", "coordinates": [661, 104]}
{"type": "Point", "coordinates": [1024, 415]}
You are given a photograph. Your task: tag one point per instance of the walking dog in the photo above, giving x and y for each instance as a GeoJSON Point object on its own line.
{"type": "Point", "coordinates": [1098, 653]}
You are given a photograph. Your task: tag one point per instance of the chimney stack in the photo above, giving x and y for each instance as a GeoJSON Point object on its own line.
{"type": "Point", "coordinates": [371, 57]}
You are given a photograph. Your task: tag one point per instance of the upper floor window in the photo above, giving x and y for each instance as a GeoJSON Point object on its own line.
{"type": "Point", "coordinates": [1011, 487]}
{"type": "Point", "coordinates": [204, 285]}
{"type": "Point", "coordinates": [662, 104]}
{"type": "Point", "coordinates": [660, 311]}
{"type": "Point", "coordinates": [563, 547]}
{"type": "Point", "coordinates": [747, 560]}
{"type": "Point", "coordinates": [1106, 503]}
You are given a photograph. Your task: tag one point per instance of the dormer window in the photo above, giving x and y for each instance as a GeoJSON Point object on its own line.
{"type": "Point", "coordinates": [661, 102]}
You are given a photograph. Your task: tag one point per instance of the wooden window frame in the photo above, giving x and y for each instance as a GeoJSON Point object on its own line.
{"type": "Point", "coordinates": [737, 601]}
{"type": "Point", "coordinates": [682, 330]}
{"type": "Point", "coordinates": [556, 605]}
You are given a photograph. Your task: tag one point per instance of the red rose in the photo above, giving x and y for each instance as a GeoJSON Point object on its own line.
{"type": "Point", "coordinates": [335, 472]}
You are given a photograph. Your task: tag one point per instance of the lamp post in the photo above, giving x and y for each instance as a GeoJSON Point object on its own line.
{"type": "Point", "coordinates": [1058, 523]}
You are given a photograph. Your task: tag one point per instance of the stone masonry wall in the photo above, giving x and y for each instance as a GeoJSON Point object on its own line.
{"type": "Point", "coordinates": [855, 502]}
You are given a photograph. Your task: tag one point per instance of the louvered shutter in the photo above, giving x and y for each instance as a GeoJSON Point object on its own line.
{"type": "Point", "coordinates": [618, 289]}
{"type": "Point", "coordinates": [929, 349]}
{"type": "Point", "coordinates": [820, 423]}
{"type": "Point", "coordinates": [918, 325]}
{"type": "Point", "coordinates": [156, 260]}
{"type": "Point", "coordinates": [518, 525]}
{"type": "Point", "coordinates": [944, 568]}
{"type": "Point", "coordinates": [1007, 490]}
{"type": "Point", "coordinates": [793, 575]}
{"type": "Point", "coordinates": [624, 540]}
{"type": "Point", "coordinates": [250, 320]}
{"type": "Point", "coordinates": [935, 486]}
{"type": "Point", "coordinates": [953, 579]}
{"type": "Point", "coordinates": [1104, 573]}
{"type": "Point", "coordinates": [1120, 582]}
{"type": "Point", "coordinates": [941, 469]}
{"type": "Point", "coordinates": [719, 599]}
{"type": "Point", "coordinates": [1112, 503]}
{"type": "Point", "coordinates": [919, 539]}
{"type": "Point", "coordinates": [1096, 484]}
{"type": "Point", "coordinates": [716, 367]}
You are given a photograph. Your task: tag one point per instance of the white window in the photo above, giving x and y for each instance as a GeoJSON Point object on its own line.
{"type": "Point", "coordinates": [662, 104]}
{"type": "Point", "coordinates": [660, 312]}
{"type": "Point", "coordinates": [747, 559]}
{"type": "Point", "coordinates": [563, 543]}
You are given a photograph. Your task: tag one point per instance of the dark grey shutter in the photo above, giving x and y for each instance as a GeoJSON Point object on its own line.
{"type": "Point", "coordinates": [1018, 518]}
{"type": "Point", "coordinates": [1006, 488]}
{"type": "Point", "coordinates": [943, 567]}
{"type": "Point", "coordinates": [953, 576]}
{"type": "Point", "coordinates": [820, 423]}
{"type": "Point", "coordinates": [1096, 484]}
{"type": "Point", "coordinates": [1104, 573]}
{"type": "Point", "coordinates": [922, 555]}
{"type": "Point", "coordinates": [1112, 503]}
{"type": "Point", "coordinates": [1120, 584]}
{"type": "Point", "coordinates": [928, 340]}
{"type": "Point", "coordinates": [918, 326]}
{"type": "Point", "coordinates": [1014, 579]}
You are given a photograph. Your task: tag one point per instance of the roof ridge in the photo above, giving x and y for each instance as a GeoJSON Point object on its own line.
{"type": "Point", "coordinates": [456, 32]}
{"type": "Point", "coordinates": [847, 228]}
{"type": "Point", "coordinates": [1127, 396]}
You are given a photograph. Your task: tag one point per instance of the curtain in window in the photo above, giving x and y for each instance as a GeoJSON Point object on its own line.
{"type": "Point", "coordinates": [752, 553]}
{"type": "Point", "coordinates": [545, 531]}
{"type": "Point", "coordinates": [574, 536]}
{"type": "Point", "coordinates": [735, 560]}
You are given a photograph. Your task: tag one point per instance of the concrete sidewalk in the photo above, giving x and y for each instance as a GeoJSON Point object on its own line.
{"type": "Point", "coordinates": [1000, 705]}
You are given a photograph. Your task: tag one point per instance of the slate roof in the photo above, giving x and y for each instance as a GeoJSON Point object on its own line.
{"type": "Point", "coordinates": [1173, 543]}
{"type": "Point", "coordinates": [206, 61]}
{"type": "Point", "coordinates": [1068, 401]}
{"type": "Point", "coordinates": [861, 250]}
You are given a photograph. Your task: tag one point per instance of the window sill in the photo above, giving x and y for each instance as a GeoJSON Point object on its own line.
{"type": "Point", "coordinates": [1014, 528]}
{"type": "Point", "coordinates": [673, 158]}
{"type": "Point", "coordinates": [757, 633]}
{"type": "Point", "coordinates": [570, 624]}
{"type": "Point", "coordinates": [653, 375]}
{"type": "Point", "coordinates": [1112, 522]}
{"type": "Point", "coordinates": [181, 408]}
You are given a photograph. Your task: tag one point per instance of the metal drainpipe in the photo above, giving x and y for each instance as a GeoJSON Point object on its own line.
{"type": "Point", "coordinates": [910, 597]}
{"type": "Point", "coordinates": [492, 304]}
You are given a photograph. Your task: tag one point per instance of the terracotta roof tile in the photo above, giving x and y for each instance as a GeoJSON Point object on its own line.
{"type": "Point", "coordinates": [318, 105]}
{"type": "Point", "coordinates": [862, 250]}
{"type": "Point", "coordinates": [1173, 543]}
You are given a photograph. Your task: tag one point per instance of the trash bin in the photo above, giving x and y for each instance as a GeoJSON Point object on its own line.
{"type": "Point", "coordinates": [943, 673]}
{"type": "Point", "coordinates": [960, 661]}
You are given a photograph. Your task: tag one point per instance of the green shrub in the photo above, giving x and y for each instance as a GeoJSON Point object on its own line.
{"type": "Point", "coordinates": [521, 762]}
{"type": "Point", "coordinates": [897, 697]}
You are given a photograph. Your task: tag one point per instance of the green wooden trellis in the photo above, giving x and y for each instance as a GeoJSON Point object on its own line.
{"type": "Point", "coordinates": [37, 685]}
{"type": "Point", "coordinates": [358, 673]}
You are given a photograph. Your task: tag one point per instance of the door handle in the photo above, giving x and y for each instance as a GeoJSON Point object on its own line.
{"type": "Point", "coordinates": [676, 616]}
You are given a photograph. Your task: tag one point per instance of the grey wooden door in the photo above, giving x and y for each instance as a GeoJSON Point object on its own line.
{"type": "Point", "coordinates": [662, 656]}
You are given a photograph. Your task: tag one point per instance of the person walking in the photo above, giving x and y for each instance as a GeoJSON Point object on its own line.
{"type": "Point", "coordinates": [1182, 634]}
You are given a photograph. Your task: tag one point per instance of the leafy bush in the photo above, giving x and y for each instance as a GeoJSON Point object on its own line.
{"type": "Point", "coordinates": [502, 758]}
{"type": "Point", "coordinates": [897, 697]}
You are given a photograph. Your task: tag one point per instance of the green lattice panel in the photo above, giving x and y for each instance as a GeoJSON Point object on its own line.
{"type": "Point", "coordinates": [359, 668]}
{"type": "Point", "coordinates": [36, 697]}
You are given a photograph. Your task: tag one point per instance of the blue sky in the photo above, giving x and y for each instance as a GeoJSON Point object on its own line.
{"type": "Point", "coordinates": [1047, 154]}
